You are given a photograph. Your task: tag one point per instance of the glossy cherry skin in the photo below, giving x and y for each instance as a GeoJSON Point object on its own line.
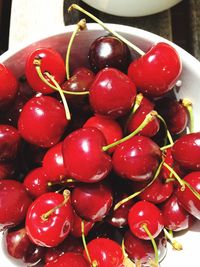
{"type": "Point", "coordinates": [140, 250]}
{"type": "Point", "coordinates": [42, 121]}
{"type": "Point", "coordinates": [70, 259]}
{"type": "Point", "coordinates": [51, 62]}
{"type": "Point", "coordinates": [186, 198]}
{"type": "Point", "coordinates": [76, 230]}
{"type": "Point", "coordinates": [136, 159]}
{"type": "Point", "coordinates": [14, 203]}
{"type": "Point", "coordinates": [144, 212]}
{"type": "Point", "coordinates": [36, 182]}
{"type": "Point", "coordinates": [157, 71]}
{"type": "Point", "coordinates": [106, 252]}
{"type": "Point", "coordinates": [109, 127]}
{"type": "Point", "coordinates": [53, 163]}
{"type": "Point", "coordinates": [112, 93]}
{"type": "Point", "coordinates": [186, 151]}
{"type": "Point", "coordinates": [136, 118]}
{"type": "Point", "coordinates": [10, 141]}
{"type": "Point", "coordinates": [109, 51]}
{"type": "Point", "coordinates": [83, 156]}
{"type": "Point", "coordinates": [8, 87]}
{"type": "Point", "coordinates": [98, 194]}
{"type": "Point", "coordinates": [176, 218]}
{"type": "Point", "coordinates": [53, 230]}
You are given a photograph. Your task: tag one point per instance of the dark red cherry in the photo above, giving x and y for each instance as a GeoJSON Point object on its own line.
{"type": "Point", "coordinates": [109, 51]}
{"type": "Point", "coordinates": [9, 142]}
{"type": "Point", "coordinates": [53, 163]}
{"type": "Point", "coordinates": [186, 151]}
{"type": "Point", "coordinates": [109, 127]}
{"type": "Point", "coordinates": [176, 218]}
{"type": "Point", "coordinates": [145, 213]}
{"type": "Point", "coordinates": [77, 228]}
{"type": "Point", "coordinates": [142, 251]}
{"type": "Point", "coordinates": [187, 198]}
{"type": "Point", "coordinates": [137, 159]}
{"type": "Point", "coordinates": [70, 259]}
{"type": "Point", "coordinates": [7, 170]}
{"type": "Point", "coordinates": [157, 71]}
{"type": "Point", "coordinates": [98, 194]}
{"type": "Point", "coordinates": [14, 203]}
{"type": "Point", "coordinates": [112, 93]}
{"type": "Point", "coordinates": [83, 156]}
{"type": "Point", "coordinates": [51, 62]}
{"type": "Point", "coordinates": [46, 229]}
{"type": "Point", "coordinates": [8, 87]}
{"type": "Point", "coordinates": [42, 121]}
{"type": "Point", "coordinates": [105, 252]}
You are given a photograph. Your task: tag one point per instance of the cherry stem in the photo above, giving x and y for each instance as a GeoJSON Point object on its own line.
{"type": "Point", "coordinates": [134, 47]}
{"type": "Point", "coordinates": [138, 101]}
{"type": "Point", "coordinates": [81, 25]}
{"type": "Point", "coordinates": [67, 112]}
{"type": "Point", "coordinates": [149, 117]}
{"type": "Point", "coordinates": [187, 103]}
{"type": "Point", "coordinates": [70, 180]}
{"type": "Point", "coordinates": [168, 133]}
{"type": "Point", "coordinates": [121, 202]}
{"type": "Point", "coordinates": [144, 226]}
{"type": "Point", "coordinates": [37, 63]}
{"type": "Point", "coordinates": [166, 147]}
{"type": "Point", "coordinates": [126, 262]}
{"type": "Point", "coordinates": [66, 195]}
{"type": "Point", "coordinates": [175, 244]}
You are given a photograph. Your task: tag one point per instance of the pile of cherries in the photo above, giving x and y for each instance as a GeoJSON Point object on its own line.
{"type": "Point", "coordinates": [102, 186]}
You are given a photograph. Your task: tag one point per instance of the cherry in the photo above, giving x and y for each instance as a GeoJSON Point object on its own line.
{"type": "Point", "coordinates": [98, 194]}
{"type": "Point", "coordinates": [109, 127]}
{"type": "Point", "coordinates": [9, 142]}
{"type": "Point", "coordinates": [49, 219]}
{"type": "Point", "coordinates": [109, 51]}
{"type": "Point", "coordinates": [53, 163]}
{"type": "Point", "coordinates": [187, 198]}
{"type": "Point", "coordinates": [137, 117]}
{"type": "Point", "coordinates": [14, 203]}
{"type": "Point", "coordinates": [8, 87]}
{"type": "Point", "coordinates": [140, 250]}
{"type": "Point", "coordinates": [175, 217]}
{"type": "Point", "coordinates": [156, 72]}
{"type": "Point", "coordinates": [48, 121]}
{"type": "Point", "coordinates": [137, 159]}
{"type": "Point", "coordinates": [104, 252]}
{"type": "Point", "coordinates": [7, 170]}
{"type": "Point", "coordinates": [112, 93]}
{"type": "Point", "coordinates": [76, 230]}
{"type": "Point", "coordinates": [83, 156]}
{"type": "Point", "coordinates": [186, 151]}
{"type": "Point", "coordinates": [51, 62]}
{"type": "Point", "coordinates": [70, 259]}
{"type": "Point", "coordinates": [145, 213]}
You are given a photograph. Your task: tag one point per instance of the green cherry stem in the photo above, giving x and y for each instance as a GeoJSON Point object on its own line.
{"type": "Point", "coordinates": [138, 101]}
{"type": "Point", "coordinates": [175, 244]}
{"type": "Point", "coordinates": [81, 25]}
{"type": "Point", "coordinates": [149, 117]}
{"type": "Point", "coordinates": [168, 133]}
{"type": "Point", "coordinates": [126, 262]}
{"type": "Point", "coordinates": [70, 180]}
{"type": "Point", "coordinates": [134, 47]}
{"type": "Point", "coordinates": [187, 103]}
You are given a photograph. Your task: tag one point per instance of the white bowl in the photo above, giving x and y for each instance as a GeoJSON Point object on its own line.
{"type": "Point", "coordinates": [131, 8]}
{"type": "Point", "coordinates": [190, 78]}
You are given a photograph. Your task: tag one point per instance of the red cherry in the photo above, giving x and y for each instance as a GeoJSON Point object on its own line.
{"type": "Point", "coordinates": [8, 87]}
{"type": "Point", "coordinates": [49, 230]}
{"type": "Point", "coordinates": [51, 62]}
{"type": "Point", "coordinates": [112, 93]}
{"type": "Point", "coordinates": [157, 71]}
{"type": "Point", "coordinates": [76, 228]}
{"type": "Point", "coordinates": [9, 142]}
{"type": "Point", "coordinates": [145, 213]}
{"type": "Point", "coordinates": [186, 151]}
{"type": "Point", "coordinates": [105, 252]}
{"type": "Point", "coordinates": [7, 170]}
{"type": "Point", "coordinates": [98, 194]}
{"type": "Point", "coordinates": [14, 203]}
{"type": "Point", "coordinates": [109, 127]}
{"type": "Point", "coordinates": [42, 121]}
{"type": "Point", "coordinates": [83, 156]}
{"type": "Point", "coordinates": [175, 217]}
{"type": "Point", "coordinates": [53, 163]}
{"type": "Point", "coordinates": [136, 159]}
{"type": "Point", "coordinates": [187, 198]}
